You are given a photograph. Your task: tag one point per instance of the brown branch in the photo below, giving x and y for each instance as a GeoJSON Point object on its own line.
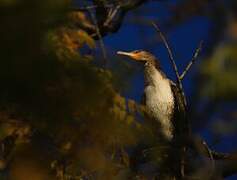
{"type": "Point", "coordinates": [225, 163]}
{"type": "Point", "coordinates": [181, 91]}
{"type": "Point", "coordinates": [219, 155]}
{"type": "Point", "coordinates": [87, 8]}
{"type": "Point", "coordinates": [210, 155]}
{"type": "Point", "coordinates": [109, 16]}
{"type": "Point", "coordinates": [194, 58]}
{"type": "Point", "coordinates": [104, 53]}
{"type": "Point", "coordinates": [199, 145]}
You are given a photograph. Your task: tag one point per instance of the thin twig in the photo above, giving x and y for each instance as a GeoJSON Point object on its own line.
{"type": "Point", "coordinates": [194, 58]}
{"type": "Point", "coordinates": [104, 53]}
{"type": "Point", "coordinates": [184, 151]}
{"type": "Point", "coordinates": [171, 57]}
{"type": "Point", "coordinates": [220, 156]}
{"type": "Point", "coordinates": [111, 15]}
{"type": "Point", "coordinates": [87, 8]}
{"type": "Point", "coordinates": [180, 88]}
{"type": "Point", "coordinates": [210, 155]}
{"type": "Point", "coordinates": [197, 144]}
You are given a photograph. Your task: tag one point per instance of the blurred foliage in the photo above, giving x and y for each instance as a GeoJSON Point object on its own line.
{"type": "Point", "coordinates": [220, 71]}
{"type": "Point", "coordinates": [61, 115]}
{"type": "Point", "coordinates": [66, 118]}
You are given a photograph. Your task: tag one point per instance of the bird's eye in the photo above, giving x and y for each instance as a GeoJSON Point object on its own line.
{"type": "Point", "coordinates": [136, 51]}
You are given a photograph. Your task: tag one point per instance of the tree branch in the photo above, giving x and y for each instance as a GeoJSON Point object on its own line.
{"type": "Point", "coordinates": [210, 155]}
{"type": "Point", "coordinates": [199, 145]}
{"type": "Point", "coordinates": [194, 58]}
{"type": "Point", "coordinates": [225, 164]}
{"type": "Point", "coordinates": [184, 102]}
{"type": "Point", "coordinates": [104, 53]}
{"type": "Point", "coordinates": [86, 8]}
{"type": "Point", "coordinates": [171, 57]}
{"type": "Point", "coordinates": [109, 16]}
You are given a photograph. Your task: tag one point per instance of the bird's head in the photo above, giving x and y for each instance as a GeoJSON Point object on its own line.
{"type": "Point", "coordinates": [139, 55]}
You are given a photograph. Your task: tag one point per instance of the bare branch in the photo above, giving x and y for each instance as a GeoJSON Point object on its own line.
{"type": "Point", "coordinates": [104, 53]}
{"type": "Point", "coordinates": [199, 145]}
{"type": "Point", "coordinates": [219, 155]}
{"type": "Point", "coordinates": [87, 8]}
{"type": "Point", "coordinates": [194, 58]}
{"type": "Point", "coordinates": [210, 156]}
{"type": "Point", "coordinates": [225, 164]}
{"type": "Point", "coordinates": [171, 57]}
{"type": "Point", "coordinates": [111, 15]}
{"type": "Point", "coordinates": [181, 91]}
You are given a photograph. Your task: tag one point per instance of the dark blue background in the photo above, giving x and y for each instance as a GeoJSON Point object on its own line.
{"type": "Point", "coordinates": [184, 39]}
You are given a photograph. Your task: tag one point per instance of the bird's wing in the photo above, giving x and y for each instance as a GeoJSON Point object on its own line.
{"type": "Point", "coordinates": [180, 118]}
{"type": "Point", "coordinates": [143, 99]}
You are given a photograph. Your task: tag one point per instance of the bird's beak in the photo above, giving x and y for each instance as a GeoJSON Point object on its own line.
{"type": "Point", "coordinates": [124, 53]}
{"type": "Point", "coordinates": [129, 54]}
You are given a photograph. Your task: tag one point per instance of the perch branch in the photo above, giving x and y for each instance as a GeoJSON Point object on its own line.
{"type": "Point", "coordinates": [180, 88]}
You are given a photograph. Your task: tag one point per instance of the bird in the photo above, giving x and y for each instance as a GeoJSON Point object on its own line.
{"type": "Point", "coordinates": [162, 100]}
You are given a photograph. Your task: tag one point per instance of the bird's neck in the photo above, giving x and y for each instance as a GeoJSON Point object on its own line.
{"type": "Point", "coordinates": [153, 75]}
{"type": "Point", "coordinates": [159, 99]}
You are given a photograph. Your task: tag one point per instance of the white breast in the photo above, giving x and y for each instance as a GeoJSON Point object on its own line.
{"type": "Point", "coordinates": [160, 101]}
